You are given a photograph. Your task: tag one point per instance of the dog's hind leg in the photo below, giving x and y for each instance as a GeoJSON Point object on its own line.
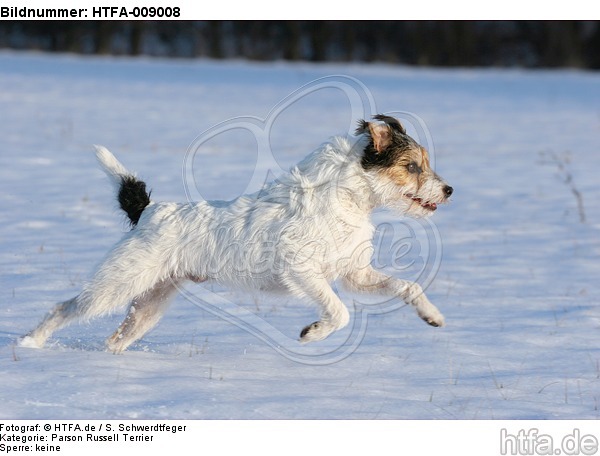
{"type": "Point", "coordinates": [59, 317]}
{"type": "Point", "coordinates": [144, 313]}
{"type": "Point", "coordinates": [129, 270]}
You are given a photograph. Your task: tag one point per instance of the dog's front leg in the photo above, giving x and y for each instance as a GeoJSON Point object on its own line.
{"type": "Point", "coordinates": [369, 280]}
{"type": "Point", "coordinates": [334, 314]}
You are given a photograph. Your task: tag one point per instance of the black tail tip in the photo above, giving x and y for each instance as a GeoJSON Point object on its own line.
{"type": "Point", "coordinates": [133, 198]}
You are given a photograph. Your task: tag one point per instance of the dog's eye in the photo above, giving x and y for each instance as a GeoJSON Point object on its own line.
{"type": "Point", "coordinates": [413, 168]}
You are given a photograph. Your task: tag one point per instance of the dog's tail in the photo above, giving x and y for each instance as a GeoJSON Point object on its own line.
{"type": "Point", "coordinates": [131, 192]}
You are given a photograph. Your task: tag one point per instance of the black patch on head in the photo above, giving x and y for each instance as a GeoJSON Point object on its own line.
{"type": "Point", "coordinates": [400, 142]}
{"type": "Point", "coordinates": [133, 198]}
{"type": "Point", "coordinates": [393, 123]}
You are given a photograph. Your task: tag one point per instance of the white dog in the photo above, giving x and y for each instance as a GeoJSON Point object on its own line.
{"type": "Point", "coordinates": [297, 235]}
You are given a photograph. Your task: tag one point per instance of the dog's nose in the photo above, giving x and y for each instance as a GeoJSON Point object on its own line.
{"type": "Point", "coordinates": [448, 191]}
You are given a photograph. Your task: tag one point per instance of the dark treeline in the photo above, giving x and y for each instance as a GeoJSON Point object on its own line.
{"type": "Point", "coordinates": [434, 43]}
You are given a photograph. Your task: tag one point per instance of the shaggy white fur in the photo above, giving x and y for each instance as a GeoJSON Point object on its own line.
{"type": "Point", "coordinates": [296, 235]}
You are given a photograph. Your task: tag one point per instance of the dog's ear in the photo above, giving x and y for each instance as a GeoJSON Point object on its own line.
{"type": "Point", "coordinates": [381, 134]}
{"type": "Point", "coordinates": [393, 123]}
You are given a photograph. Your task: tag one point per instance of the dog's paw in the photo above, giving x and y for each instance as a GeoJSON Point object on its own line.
{"type": "Point", "coordinates": [431, 315]}
{"type": "Point", "coordinates": [436, 322]}
{"type": "Point", "coordinates": [116, 343]}
{"type": "Point", "coordinates": [316, 331]}
{"type": "Point", "coordinates": [28, 342]}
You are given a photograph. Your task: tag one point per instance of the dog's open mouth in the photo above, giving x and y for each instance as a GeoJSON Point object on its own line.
{"type": "Point", "coordinates": [424, 204]}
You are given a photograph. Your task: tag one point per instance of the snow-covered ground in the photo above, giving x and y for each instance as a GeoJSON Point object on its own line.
{"type": "Point", "coordinates": [510, 262]}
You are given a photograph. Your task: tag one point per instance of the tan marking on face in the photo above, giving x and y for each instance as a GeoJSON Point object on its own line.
{"type": "Point", "coordinates": [425, 160]}
{"type": "Point", "coordinates": [399, 173]}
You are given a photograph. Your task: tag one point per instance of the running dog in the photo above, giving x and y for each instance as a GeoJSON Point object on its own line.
{"type": "Point", "coordinates": [296, 235]}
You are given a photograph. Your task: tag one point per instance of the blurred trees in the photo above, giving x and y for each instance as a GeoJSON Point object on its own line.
{"type": "Point", "coordinates": [433, 43]}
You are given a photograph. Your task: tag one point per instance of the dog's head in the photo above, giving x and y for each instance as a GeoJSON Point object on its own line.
{"type": "Point", "coordinates": [401, 175]}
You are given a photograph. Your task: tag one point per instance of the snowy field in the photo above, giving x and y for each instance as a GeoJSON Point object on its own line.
{"type": "Point", "coordinates": [513, 262]}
